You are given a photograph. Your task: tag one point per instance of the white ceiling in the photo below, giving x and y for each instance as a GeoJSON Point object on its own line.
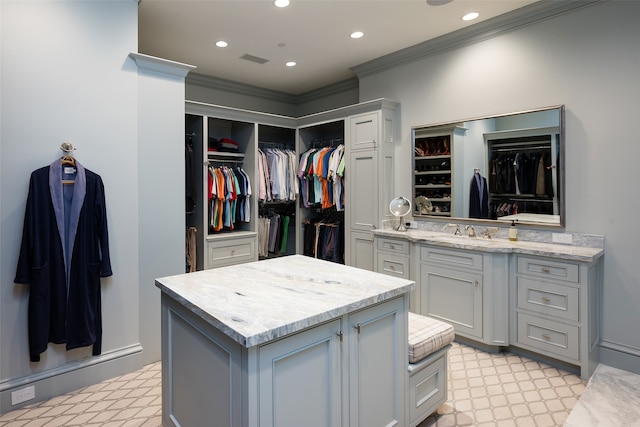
{"type": "Point", "coordinates": [314, 33]}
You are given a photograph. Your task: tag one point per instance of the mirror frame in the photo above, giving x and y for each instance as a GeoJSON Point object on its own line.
{"type": "Point", "coordinates": [560, 172]}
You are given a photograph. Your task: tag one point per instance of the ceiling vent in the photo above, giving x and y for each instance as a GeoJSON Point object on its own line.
{"type": "Point", "coordinates": [255, 59]}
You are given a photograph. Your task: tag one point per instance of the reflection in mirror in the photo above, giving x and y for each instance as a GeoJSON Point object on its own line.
{"type": "Point", "coordinates": [500, 168]}
{"type": "Point", "coordinates": [400, 207]}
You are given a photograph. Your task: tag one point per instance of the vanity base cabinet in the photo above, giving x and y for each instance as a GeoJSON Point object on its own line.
{"type": "Point", "coordinates": [393, 257]}
{"type": "Point", "coordinates": [454, 297]}
{"type": "Point", "coordinates": [350, 370]}
{"type": "Point", "coordinates": [556, 309]}
{"type": "Point", "coordinates": [466, 289]}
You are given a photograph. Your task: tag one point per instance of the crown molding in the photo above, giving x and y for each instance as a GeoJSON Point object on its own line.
{"type": "Point", "coordinates": [332, 89]}
{"type": "Point", "coordinates": [481, 31]}
{"type": "Point", "coordinates": [161, 65]}
{"type": "Point", "coordinates": [239, 88]}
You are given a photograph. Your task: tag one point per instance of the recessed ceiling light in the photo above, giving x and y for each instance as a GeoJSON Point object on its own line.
{"type": "Point", "coordinates": [470, 16]}
{"type": "Point", "coordinates": [357, 34]}
{"type": "Point", "coordinates": [291, 64]}
{"type": "Point", "coordinates": [281, 3]}
{"type": "Point", "coordinates": [222, 43]}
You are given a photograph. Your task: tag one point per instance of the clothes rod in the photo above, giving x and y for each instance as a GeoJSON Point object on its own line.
{"type": "Point", "coordinates": [521, 148]}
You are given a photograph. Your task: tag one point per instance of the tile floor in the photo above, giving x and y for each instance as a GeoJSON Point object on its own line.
{"type": "Point", "coordinates": [484, 390]}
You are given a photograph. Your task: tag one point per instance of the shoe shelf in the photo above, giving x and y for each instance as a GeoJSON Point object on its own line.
{"type": "Point", "coordinates": [432, 177]}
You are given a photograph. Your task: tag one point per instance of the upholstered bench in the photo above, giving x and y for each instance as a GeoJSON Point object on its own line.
{"type": "Point", "coordinates": [429, 341]}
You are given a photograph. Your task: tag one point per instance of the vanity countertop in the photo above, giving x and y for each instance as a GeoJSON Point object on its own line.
{"type": "Point", "coordinates": [257, 302]}
{"type": "Point", "coordinates": [567, 252]}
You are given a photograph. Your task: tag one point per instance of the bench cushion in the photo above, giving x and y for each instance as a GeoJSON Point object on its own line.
{"type": "Point", "coordinates": [427, 335]}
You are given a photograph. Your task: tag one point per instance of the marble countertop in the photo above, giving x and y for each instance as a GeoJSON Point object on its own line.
{"type": "Point", "coordinates": [257, 302]}
{"type": "Point", "coordinates": [567, 252]}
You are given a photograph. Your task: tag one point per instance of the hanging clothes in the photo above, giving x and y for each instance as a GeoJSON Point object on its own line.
{"type": "Point", "coordinates": [63, 255]}
{"type": "Point", "coordinates": [478, 197]}
{"type": "Point", "coordinates": [277, 175]}
{"type": "Point", "coordinates": [190, 181]}
{"type": "Point", "coordinates": [229, 197]}
{"type": "Point", "coordinates": [321, 177]}
{"type": "Point", "coordinates": [190, 249]}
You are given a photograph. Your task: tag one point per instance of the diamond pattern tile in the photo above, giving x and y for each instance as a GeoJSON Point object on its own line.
{"type": "Point", "coordinates": [498, 390]}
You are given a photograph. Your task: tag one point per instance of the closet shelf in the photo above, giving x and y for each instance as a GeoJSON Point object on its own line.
{"type": "Point", "coordinates": [224, 155]}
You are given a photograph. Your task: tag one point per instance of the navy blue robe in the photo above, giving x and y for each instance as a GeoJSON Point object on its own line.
{"type": "Point", "coordinates": [64, 252]}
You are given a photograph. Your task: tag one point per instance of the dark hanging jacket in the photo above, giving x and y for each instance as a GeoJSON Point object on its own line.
{"type": "Point", "coordinates": [64, 253]}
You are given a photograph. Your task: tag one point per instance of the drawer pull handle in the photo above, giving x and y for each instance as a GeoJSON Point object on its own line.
{"type": "Point", "coordinates": [233, 252]}
{"type": "Point", "coordinates": [546, 337]}
{"type": "Point", "coordinates": [392, 268]}
{"type": "Point", "coordinates": [357, 327]}
{"type": "Point", "coordinates": [546, 270]}
{"type": "Point", "coordinates": [546, 300]}
{"type": "Point", "coordinates": [340, 334]}
{"type": "Point", "coordinates": [392, 247]}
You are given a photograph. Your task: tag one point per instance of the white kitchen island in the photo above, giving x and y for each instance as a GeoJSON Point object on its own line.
{"type": "Point", "coordinates": [291, 341]}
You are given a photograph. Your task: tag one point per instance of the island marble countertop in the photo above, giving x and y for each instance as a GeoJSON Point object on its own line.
{"type": "Point", "coordinates": [567, 252]}
{"type": "Point", "coordinates": [257, 302]}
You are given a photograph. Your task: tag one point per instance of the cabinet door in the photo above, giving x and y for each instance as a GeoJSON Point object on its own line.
{"type": "Point", "coordinates": [364, 131]}
{"type": "Point", "coordinates": [300, 379]}
{"type": "Point", "coordinates": [453, 296]}
{"type": "Point", "coordinates": [361, 250]}
{"type": "Point", "coordinates": [378, 359]}
{"type": "Point", "coordinates": [362, 185]}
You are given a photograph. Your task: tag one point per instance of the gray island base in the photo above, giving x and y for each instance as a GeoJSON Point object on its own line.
{"type": "Point", "coordinates": [291, 341]}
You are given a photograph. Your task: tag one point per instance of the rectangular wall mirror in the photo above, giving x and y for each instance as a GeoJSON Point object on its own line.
{"type": "Point", "coordinates": [492, 169]}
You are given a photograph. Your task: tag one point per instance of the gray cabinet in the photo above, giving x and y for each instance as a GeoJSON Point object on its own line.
{"type": "Point", "coordinates": [555, 309]}
{"type": "Point", "coordinates": [451, 289]}
{"type": "Point", "coordinates": [378, 355]}
{"type": "Point", "coordinates": [464, 288]}
{"type": "Point", "coordinates": [369, 180]}
{"type": "Point", "coordinates": [393, 257]}
{"type": "Point", "coordinates": [354, 366]}
{"type": "Point", "coordinates": [309, 361]}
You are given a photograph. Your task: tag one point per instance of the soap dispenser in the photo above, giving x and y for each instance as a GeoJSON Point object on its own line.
{"type": "Point", "coordinates": [513, 232]}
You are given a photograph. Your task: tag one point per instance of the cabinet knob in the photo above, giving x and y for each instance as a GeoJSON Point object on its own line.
{"type": "Point", "coordinates": [392, 268]}
{"type": "Point", "coordinates": [546, 300]}
{"type": "Point", "coordinates": [357, 327]}
{"type": "Point", "coordinates": [546, 270]}
{"type": "Point", "coordinates": [233, 252]}
{"type": "Point", "coordinates": [393, 247]}
{"type": "Point", "coordinates": [476, 283]}
{"type": "Point", "coordinates": [546, 337]}
{"type": "Point", "coordinates": [340, 335]}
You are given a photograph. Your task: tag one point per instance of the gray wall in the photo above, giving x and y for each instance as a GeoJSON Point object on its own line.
{"type": "Point", "coordinates": [588, 60]}
{"type": "Point", "coordinates": [66, 75]}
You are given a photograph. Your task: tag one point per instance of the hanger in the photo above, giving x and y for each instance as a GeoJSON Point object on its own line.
{"type": "Point", "coordinates": [68, 159]}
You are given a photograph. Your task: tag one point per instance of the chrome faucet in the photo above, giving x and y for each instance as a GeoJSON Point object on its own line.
{"type": "Point", "coordinates": [457, 232]}
{"type": "Point", "coordinates": [471, 230]}
{"type": "Point", "coordinates": [488, 231]}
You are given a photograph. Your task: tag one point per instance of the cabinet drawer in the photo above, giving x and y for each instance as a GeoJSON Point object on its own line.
{"type": "Point", "coordinates": [393, 245]}
{"type": "Point", "coordinates": [393, 265]}
{"type": "Point", "coordinates": [549, 298]}
{"type": "Point", "coordinates": [548, 336]}
{"type": "Point", "coordinates": [452, 258]}
{"type": "Point", "coordinates": [228, 252]}
{"type": "Point", "coordinates": [548, 269]}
